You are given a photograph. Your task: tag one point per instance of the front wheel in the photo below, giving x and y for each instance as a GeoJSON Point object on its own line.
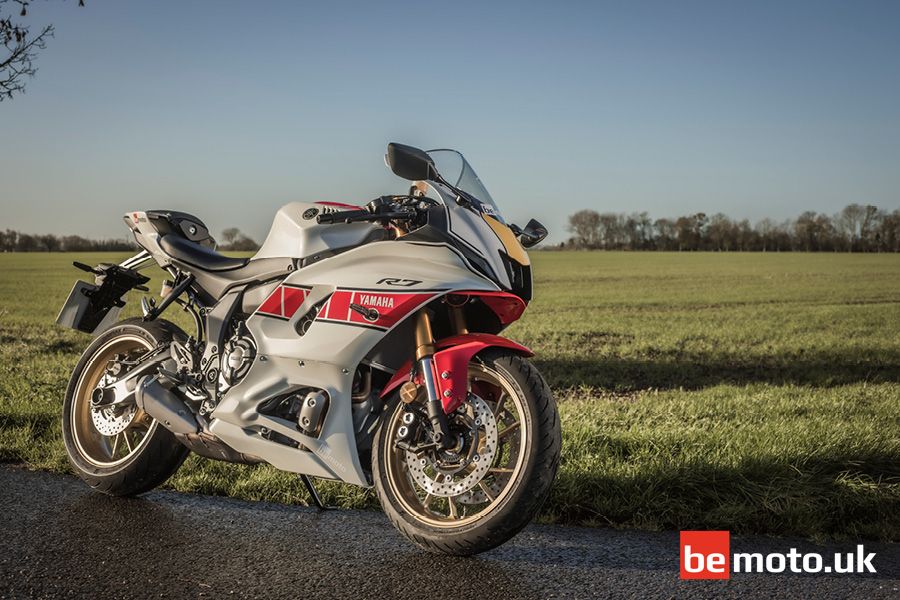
{"type": "Point", "coordinates": [491, 483]}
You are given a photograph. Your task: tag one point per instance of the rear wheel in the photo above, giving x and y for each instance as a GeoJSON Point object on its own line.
{"type": "Point", "coordinates": [119, 450]}
{"type": "Point", "coordinates": [485, 489]}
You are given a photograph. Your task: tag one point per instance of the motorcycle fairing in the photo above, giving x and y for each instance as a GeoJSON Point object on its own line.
{"type": "Point", "coordinates": [485, 241]}
{"type": "Point", "coordinates": [284, 301]}
{"type": "Point", "coordinates": [395, 278]}
{"type": "Point", "coordinates": [295, 232]}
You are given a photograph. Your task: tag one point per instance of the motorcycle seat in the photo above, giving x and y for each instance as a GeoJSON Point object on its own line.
{"type": "Point", "coordinates": [195, 255]}
{"type": "Point", "coordinates": [216, 273]}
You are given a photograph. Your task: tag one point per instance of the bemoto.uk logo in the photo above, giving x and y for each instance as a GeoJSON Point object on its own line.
{"type": "Point", "coordinates": [707, 555]}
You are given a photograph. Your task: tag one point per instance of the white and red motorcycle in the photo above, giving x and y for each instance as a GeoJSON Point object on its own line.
{"type": "Point", "coordinates": [359, 344]}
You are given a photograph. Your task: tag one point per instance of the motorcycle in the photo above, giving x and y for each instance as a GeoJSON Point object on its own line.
{"type": "Point", "coordinates": [359, 344]}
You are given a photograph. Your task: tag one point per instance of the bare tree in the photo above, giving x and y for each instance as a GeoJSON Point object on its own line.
{"type": "Point", "coordinates": [235, 240]}
{"type": "Point", "coordinates": [585, 225]}
{"type": "Point", "coordinates": [230, 235]}
{"type": "Point", "coordinates": [889, 232]}
{"type": "Point", "coordinates": [48, 242]}
{"type": "Point", "coordinates": [849, 222]}
{"type": "Point", "coordinates": [645, 229]}
{"type": "Point", "coordinates": [869, 228]}
{"type": "Point", "coordinates": [746, 236]}
{"type": "Point", "coordinates": [665, 234]}
{"type": "Point", "coordinates": [611, 229]}
{"type": "Point", "coordinates": [806, 232]}
{"type": "Point", "coordinates": [8, 240]}
{"type": "Point", "coordinates": [21, 47]}
{"type": "Point", "coordinates": [766, 229]}
{"type": "Point", "coordinates": [720, 232]}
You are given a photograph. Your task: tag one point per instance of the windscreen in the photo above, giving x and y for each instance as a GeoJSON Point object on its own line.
{"type": "Point", "coordinates": [454, 168]}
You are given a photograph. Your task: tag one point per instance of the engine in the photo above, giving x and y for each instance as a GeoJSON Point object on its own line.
{"type": "Point", "coordinates": [238, 355]}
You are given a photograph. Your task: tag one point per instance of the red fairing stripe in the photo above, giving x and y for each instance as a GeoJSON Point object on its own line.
{"type": "Point", "coordinates": [283, 302]}
{"type": "Point", "coordinates": [508, 307]}
{"type": "Point", "coordinates": [292, 299]}
{"type": "Point", "coordinates": [390, 307]}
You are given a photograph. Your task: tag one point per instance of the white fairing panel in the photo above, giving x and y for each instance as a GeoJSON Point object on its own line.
{"type": "Point", "coordinates": [393, 277]}
{"type": "Point", "coordinates": [296, 234]}
{"type": "Point", "coordinates": [370, 274]}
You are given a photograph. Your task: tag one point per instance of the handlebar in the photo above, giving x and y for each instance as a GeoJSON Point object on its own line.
{"type": "Point", "coordinates": [344, 216]}
{"type": "Point", "coordinates": [385, 208]}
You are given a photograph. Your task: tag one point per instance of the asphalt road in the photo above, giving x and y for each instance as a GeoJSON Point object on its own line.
{"type": "Point", "coordinates": [58, 538]}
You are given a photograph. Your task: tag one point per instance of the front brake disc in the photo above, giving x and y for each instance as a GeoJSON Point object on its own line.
{"type": "Point", "coordinates": [429, 476]}
{"type": "Point", "coordinates": [495, 487]}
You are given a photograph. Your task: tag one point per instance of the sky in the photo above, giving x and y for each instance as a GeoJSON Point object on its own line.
{"type": "Point", "coordinates": [227, 110]}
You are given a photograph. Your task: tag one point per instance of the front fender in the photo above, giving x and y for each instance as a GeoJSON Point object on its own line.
{"type": "Point", "coordinates": [451, 365]}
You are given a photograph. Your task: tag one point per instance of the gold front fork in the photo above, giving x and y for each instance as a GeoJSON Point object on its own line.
{"type": "Point", "coordinates": [458, 318]}
{"type": "Point", "coordinates": [424, 351]}
{"type": "Point", "coordinates": [424, 337]}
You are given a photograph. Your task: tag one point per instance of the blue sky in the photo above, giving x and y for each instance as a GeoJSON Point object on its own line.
{"type": "Point", "coordinates": [229, 109]}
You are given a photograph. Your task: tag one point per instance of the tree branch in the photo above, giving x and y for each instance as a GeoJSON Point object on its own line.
{"type": "Point", "coordinates": [21, 48]}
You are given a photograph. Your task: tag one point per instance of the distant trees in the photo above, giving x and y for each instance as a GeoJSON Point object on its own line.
{"type": "Point", "coordinates": [233, 239]}
{"type": "Point", "coordinates": [585, 226]}
{"type": "Point", "coordinates": [856, 228]}
{"type": "Point", "coordinates": [14, 241]}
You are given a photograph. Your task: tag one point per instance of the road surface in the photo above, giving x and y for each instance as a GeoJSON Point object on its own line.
{"type": "Point", "coordinates": [58, 538]}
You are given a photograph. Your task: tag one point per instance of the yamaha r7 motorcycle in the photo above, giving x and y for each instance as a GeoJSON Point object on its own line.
{"type": "Point", "coordinates": [359, 344]}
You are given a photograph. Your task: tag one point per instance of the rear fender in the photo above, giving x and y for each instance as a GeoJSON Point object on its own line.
{"type": "Point", "coordinates": [451, 365]}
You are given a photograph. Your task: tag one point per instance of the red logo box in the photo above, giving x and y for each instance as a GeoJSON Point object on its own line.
{"type": "Point", "coordinates": [705, 555]}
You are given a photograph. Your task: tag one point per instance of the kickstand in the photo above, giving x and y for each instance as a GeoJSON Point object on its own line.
{"type": "Point", "coordinates": [312, 492]}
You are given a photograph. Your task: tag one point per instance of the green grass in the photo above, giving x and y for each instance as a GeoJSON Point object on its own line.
{"type": "Point", "coordinates": [752, 392]}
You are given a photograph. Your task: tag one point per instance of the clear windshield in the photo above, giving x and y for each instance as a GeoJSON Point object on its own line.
{"type": "Point", "coordinates": [454, 168]}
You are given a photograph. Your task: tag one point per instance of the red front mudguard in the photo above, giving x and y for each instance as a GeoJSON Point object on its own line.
{"type": "Point", "coordinates": [452, 357]}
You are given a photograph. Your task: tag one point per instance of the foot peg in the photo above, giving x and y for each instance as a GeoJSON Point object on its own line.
{"type": "Point", "coordinates": [312, 492]}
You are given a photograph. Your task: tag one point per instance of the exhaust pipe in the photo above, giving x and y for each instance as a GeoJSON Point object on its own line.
{"type": "Point", "coordinates": [165, 406]}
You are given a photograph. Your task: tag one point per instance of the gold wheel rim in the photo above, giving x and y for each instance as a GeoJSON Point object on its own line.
{"type": "Point", "coordinates": [449, 512]}
{"type": "Point", "coordinates": [98, 449]}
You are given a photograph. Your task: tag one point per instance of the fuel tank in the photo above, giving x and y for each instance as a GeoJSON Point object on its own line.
{"type": "Point", "coordinates": [295, 232]}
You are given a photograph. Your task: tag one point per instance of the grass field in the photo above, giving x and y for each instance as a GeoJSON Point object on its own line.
{"type": "Point", "coordinates": [751, 392]}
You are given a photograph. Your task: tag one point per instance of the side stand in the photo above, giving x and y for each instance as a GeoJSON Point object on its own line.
{"type": "Point", "coordinates": [312, 492]}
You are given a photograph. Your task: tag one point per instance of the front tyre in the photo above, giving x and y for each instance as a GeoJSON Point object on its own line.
{"type": "Point", "coordinates": [118, 450]}
{"type": "Point", "coordinates": [490, 485]}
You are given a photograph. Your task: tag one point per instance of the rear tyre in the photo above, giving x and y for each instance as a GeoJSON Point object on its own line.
{"type": "Point", "coordinates": [492, 484]}
{"type": "Point", "coordinates": [120, 451]}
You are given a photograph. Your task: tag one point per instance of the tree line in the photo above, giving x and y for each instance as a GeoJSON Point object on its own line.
{"type": "Point", "coordinates": [856, 228]}
{"type": "Point", "coordinates": [15, 241]}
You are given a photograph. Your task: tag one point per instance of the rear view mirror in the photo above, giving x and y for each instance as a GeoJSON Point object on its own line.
{"type": "Point", "coordinates": [532, 234]}
{"type": "Point", "coordinates": [410, 163]}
